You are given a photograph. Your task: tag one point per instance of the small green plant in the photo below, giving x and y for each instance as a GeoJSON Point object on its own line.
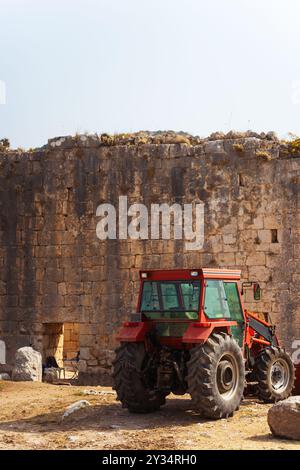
{"type": "Point", "coordinates": [239, 148]}
{"type": "Point", "coordinates": [4, 144]}
{"type": "Point", "coordinates": [293, 144]}
{"type": "Point", "coordinates": [263, 154]}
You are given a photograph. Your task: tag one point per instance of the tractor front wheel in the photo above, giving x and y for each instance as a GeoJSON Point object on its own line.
{"type": "Point", "coordinates": [275, 374]}
{"type": "Point", "coordinates": [216, 376]}
{"type": "Point", "coordinates": [133, 391]}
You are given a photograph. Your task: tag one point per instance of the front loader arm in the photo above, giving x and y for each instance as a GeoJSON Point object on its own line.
{"type": "Point", "coordinates": [264, 329]}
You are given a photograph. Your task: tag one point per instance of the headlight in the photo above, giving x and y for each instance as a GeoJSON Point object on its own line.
{"type": "Point", "coordinates": [194, 273]}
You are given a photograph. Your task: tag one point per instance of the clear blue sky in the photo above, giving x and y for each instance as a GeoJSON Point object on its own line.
{"type": "Point", "coordinates": [126, 65]}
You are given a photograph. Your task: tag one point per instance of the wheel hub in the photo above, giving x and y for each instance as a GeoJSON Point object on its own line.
{"type": "Point", "coordinates": [227, 376]}
{"type": "Point", "coordinates": [279, 375]}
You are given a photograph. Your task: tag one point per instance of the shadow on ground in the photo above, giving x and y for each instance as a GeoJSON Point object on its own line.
{"type": "Point", "coordinates": [108, 417]}
{"type": "Point", "coordinates": [269, 437]}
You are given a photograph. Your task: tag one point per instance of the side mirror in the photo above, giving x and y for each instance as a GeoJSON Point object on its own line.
{"type": "Point", "coordinates": [256, 291]}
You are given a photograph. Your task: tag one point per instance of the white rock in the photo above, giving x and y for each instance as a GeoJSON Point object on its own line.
{"type": "Point", "coordinates": [78, 405]}
{"type": "Point", "coordinates": [4, 376]}
{"type": "Point", "coordinates": [98, 392]}
{"type": "Point", "coordinates": [91, 392]}
{"type": "Point", "coordinates": [28, 365]}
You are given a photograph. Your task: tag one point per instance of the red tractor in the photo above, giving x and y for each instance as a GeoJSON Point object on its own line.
{"type": "Point", "coordinates": [192, 334]}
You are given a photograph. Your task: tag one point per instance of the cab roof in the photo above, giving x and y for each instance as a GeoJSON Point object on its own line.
{"type": "Point", "coordinates": [183, 274]}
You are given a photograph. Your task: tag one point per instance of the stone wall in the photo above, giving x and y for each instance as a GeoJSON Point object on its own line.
{"type": "Point", "coordinates": [71, 344]}
{"type": "Point", "coordinates": [53, 342]}
{"type": "Point", "coordinates": [53, 268]}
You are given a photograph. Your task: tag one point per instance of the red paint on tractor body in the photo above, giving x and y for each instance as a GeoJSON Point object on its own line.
{"type": "Point", "coordinates": [199, 332]}
{"type": "Point", "coordinates": [133, 332]}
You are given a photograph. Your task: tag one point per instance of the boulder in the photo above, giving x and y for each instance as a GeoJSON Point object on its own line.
{"type": "Point", "coordinates": [284, 418]}
{"type": "Point", "coordinates": [28, 365]}
{"type": "Point", "coordinates": [4, 376]}
{"type": "Point", "coordinates": [51, 375]}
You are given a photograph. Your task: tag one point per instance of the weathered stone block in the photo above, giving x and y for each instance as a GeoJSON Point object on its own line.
{"type": "Point", "coordinates": [260, 273]}
{"type": "Point", "coordinates": [229, 239]}
{"type": "Point", "coordinates": [256, 259]}
{"type": "Point", "coordinates": [284, 418]}
{"type": "Point", "coordinates": [226, 259]}
{"type": "Point", "coordinates": [265, 236]}
{"type": "Point", "coordinates": [28, 365]}
{"type": "Point", "coordinates": [53, 300]}
{"type": "Point", "coordinates": [273, 221]}
{"type": "Point", "coordinates": [85, 353]}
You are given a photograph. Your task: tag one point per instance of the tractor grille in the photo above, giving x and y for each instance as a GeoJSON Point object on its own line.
{"type": "Point", "coordinates": [171, 329]}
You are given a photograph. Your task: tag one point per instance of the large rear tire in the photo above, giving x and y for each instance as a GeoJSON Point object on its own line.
{"type": "Point", "coordinates": [129, 382]}
{"type": "Point", "coordinates": [274, 372]}
{"type": "Point", "coordinates": [216, 376]}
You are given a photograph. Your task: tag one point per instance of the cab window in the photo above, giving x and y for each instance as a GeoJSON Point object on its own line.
{"type": "Point", "coordinates": [215, 303]}
{"type": "Point", "coordinates": [169, 296]}
{"type": "Point", "coordinates": [150, 300]}
{"type": "Point", "coordinates": [190, 292]}
{"type": "Point", "coordinates": [233, 300]}
{"type": "Point", "coordinates": [171, 299]}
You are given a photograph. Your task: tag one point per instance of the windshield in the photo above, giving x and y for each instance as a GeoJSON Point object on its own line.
{"type": "Point", "coordinates": [171, 299]}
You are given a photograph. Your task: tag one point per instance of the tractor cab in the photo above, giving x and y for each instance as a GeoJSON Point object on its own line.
{"type": "Point", "coordinates": [180, 303]}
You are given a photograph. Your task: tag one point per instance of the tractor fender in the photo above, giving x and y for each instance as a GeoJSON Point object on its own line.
{"type": "Point", "coordinates": [200, 332]}
{"type": "Point", "coordinates": [133, 332]}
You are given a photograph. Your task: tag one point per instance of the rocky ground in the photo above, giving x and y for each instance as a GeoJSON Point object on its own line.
{"type": "Point", "coordinates": [31, 418]}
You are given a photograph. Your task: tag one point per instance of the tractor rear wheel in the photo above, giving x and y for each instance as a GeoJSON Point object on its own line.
{"type": "Point", "coordinates": [216, 376]}
{"type": "Point", "coordinates": [129, 380]}
{"type": "Point", "coordinates": [275, 373]}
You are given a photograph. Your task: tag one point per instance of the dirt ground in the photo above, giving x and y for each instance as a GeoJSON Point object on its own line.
{"type": "Point", "coordinates": [31, 418]}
